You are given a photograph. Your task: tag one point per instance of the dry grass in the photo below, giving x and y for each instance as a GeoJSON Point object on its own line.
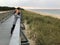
{"type": "Point", "coordinates": [44, 30]}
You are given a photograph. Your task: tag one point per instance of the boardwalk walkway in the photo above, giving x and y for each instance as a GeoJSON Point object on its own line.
{"type": "Point", "coordinates": [16, 39]}
{"type": "Point", "coordinates": [5, 29]}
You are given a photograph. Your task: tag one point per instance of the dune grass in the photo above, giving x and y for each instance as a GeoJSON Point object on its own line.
{"type": "Point", "coordinates": [45, 30]}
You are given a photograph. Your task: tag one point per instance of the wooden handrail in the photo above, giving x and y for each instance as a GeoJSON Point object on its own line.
{"type": "Point", "coordinates": [15, 39]}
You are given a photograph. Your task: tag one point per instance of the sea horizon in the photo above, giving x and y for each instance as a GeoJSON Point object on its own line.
{"type": "Point", "coordinates": [49, 11]}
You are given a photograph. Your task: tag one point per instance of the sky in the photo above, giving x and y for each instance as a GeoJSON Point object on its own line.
{"type": "Point", "coordinates": [51, 4]}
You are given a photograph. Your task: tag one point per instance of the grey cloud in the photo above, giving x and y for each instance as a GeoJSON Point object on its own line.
{"type": "Point", "coordinates": [32, 3]}
{"type": "Point", "coordinates": [42, 3]}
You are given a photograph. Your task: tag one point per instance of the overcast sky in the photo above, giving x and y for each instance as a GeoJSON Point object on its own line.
{"type": "Point", "coordinates": [31, 3]}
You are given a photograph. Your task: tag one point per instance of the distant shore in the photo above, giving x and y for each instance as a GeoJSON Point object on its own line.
{"type": "Point", "coordinates": [46, 14]}
{"type": "Point", "coordinates": [4, 11]}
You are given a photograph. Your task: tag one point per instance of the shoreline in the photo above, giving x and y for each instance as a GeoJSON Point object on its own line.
{"type": "Point", "coordinates": [46, 14]}
{"type": "Point", "coordinates": [3, 12]}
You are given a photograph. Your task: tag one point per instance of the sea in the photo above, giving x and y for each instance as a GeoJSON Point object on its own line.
{"type": "Point", "coordinates": [50, 11]}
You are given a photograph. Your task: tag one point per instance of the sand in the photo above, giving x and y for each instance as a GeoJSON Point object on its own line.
{"type": "Point", "coordinates": [46, 14]}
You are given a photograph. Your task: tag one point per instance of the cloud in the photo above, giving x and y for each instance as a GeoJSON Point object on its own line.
{"type": "Point", "coordinates": [9, 2]}
{"type": "Point", "coordinates": [32, 3]}
{"type": "Point", "coordinates": [42, 3]}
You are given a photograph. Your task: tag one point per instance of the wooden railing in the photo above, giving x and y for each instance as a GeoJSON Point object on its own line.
{"type": "Point", "coordinates": [15, 39]}
{"type": "Point", "coordinates": [18, 34]}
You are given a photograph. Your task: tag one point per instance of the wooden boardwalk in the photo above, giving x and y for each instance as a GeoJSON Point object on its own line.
{"type": "Point", "coordinates": [5, 36]}
{"type": "Point", "coordinates": [5, 29]}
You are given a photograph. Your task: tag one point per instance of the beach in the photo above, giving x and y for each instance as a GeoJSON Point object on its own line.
{"type": "Point", "coordinates": [46, 14]}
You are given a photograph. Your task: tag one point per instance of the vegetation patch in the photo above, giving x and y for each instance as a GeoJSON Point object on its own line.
{"type": "Point", "coordinates": [44, 30]}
